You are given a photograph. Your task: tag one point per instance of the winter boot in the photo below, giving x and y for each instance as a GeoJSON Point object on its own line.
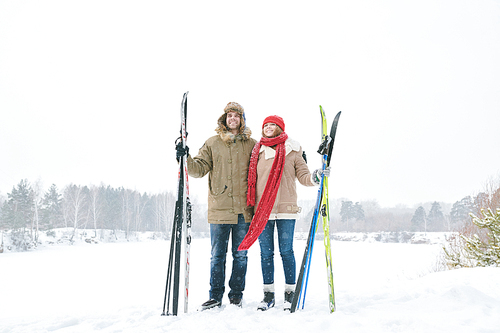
{"type": "Point", "coordinates": [236, 301]}
{"type": "Point", "coordinates": [268, 301]}
{"type": "Point", "coordinates": [211, 303]}
{"type": "Point", "coordinates": [289, 292]}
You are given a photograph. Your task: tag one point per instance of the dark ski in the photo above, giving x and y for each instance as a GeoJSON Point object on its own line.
{"type": "Point", "coordinates": [181, 223]}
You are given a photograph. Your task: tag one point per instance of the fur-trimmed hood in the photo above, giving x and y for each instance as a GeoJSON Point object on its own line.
{"type": "Point", "coordinates": [227, 136]}
{"type": "Point", "coordinates": [222, 129]}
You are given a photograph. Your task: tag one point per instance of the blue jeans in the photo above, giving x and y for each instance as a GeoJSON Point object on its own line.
{"type": "Point", "coordinates": [285, 241]}
{"type": "Point", "coordinates": [219, 235]}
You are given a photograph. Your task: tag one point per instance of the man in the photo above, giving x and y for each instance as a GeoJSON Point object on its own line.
{"type": "Point", "coordinates": [226, 157]}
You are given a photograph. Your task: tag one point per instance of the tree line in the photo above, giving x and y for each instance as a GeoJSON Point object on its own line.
{"type": "Point", "coordinates": [27, 211]}
{"type": "Point", "coordinates": [368, 216]}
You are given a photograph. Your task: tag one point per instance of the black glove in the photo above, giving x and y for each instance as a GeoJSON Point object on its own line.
{"type": "Point", "coordinates": [181, 151]}
{"type": "Point", "coordinates": [304, 156]}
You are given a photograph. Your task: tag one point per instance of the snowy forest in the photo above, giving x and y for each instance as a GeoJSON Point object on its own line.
{"type": "Point", "coordinates": [89, 211]}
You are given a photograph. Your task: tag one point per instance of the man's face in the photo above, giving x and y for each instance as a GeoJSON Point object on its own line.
{"type": "Point", "coordinates": [233, 120]}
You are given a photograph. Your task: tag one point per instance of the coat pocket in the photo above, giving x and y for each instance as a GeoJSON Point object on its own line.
{"type": "Point", "coordinates": [217, 193]}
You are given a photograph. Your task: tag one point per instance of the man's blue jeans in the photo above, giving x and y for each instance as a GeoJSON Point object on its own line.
{"type": "Point", "coordinates": [285, 240]}
{"type": "Point", "coordinates": [219, 235]}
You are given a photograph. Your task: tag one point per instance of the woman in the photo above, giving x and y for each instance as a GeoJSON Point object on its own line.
{"type": "Point", "coordinates": [275, 164]}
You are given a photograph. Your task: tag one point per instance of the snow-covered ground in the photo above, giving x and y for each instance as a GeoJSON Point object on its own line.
{"type": "Point", "coordinates": [119, 287]}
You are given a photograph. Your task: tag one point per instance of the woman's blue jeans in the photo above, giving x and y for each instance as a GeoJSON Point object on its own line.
{"type": "Point", "coordinates": [285, 241]}
{"type": "Point", "coordinates": [219, 235]}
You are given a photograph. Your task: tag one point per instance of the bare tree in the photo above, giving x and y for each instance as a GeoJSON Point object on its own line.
{"type": "Point", "coordinates": [74, 199]}
{"type": "Point", "coordinates": [36, 192]}
{"type": "Point", "coordinates": [94, 207]}
{"type": "Point", "coordinates": [164, 211]}
{"type": "Point", "coordinates": [140, 203]}
{"type": "Point", "coordinates": [126, 211]}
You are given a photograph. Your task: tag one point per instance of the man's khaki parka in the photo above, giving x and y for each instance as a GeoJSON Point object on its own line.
{"type": "Point", "coordinates": [225, 158]}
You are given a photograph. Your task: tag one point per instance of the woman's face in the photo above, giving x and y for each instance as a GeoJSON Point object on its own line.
{"type": "Point", "coordinates": [269, 129]}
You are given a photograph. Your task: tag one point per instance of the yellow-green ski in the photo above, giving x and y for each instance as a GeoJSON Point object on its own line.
{"type": "Point", "coordinates": [325, 213]}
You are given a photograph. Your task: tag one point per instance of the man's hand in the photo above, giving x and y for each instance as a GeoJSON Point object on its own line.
{"type": "Point", "coordinates": [181, 151]}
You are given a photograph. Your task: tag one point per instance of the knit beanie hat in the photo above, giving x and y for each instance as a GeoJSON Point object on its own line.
{"type": "Point", "coordinates": [275, 120]}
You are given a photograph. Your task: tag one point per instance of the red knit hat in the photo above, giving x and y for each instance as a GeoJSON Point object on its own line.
{"type": "Point", "coordinates": [275, 120]}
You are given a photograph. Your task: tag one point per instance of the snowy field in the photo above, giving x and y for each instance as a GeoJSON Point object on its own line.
{"type": "Point", "coordinates": [120, 287]}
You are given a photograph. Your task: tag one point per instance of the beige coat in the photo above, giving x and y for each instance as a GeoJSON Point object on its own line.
{"type": "Point", "coordinates": [226, 159]}
{"type": "Point", "coordinates": [285, 206]}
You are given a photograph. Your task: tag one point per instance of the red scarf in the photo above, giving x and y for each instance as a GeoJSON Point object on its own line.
{"type": "Point", "coordinates": [266, 203]}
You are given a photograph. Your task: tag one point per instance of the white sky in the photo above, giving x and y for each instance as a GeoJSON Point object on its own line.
{"type": "Point", "coordinates": [90, 91]}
